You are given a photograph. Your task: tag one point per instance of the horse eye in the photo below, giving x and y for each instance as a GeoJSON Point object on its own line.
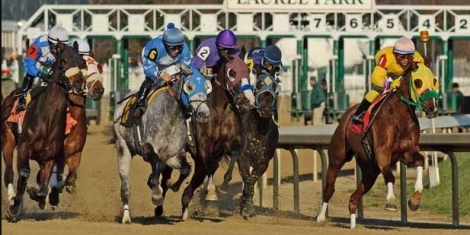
{"type": "Point", "coordinates": [189, 87]}
{"type": "Point", "coordinates": [208, 86]}
{"type": "Point", "coordinates": [418, 83]}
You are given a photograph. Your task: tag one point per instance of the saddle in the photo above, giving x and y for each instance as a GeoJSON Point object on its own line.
{"type": "Point", "coordinates": [127, 118]}
{"type": "Point", "coordinates": [364, 127]}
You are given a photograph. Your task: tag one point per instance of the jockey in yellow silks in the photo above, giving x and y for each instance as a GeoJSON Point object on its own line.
{"type": "Point", "coordinates": [391, 62]}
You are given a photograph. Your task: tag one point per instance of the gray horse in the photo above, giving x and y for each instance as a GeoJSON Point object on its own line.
{"type": "Point", "coordinates": [162, 138]}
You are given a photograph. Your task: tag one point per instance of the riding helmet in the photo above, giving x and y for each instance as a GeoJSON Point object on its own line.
{"type": "Point", "coordinates": [273, 55]}
{"type": "Point", "coordinates": [58, 34]}
{"type": "Point", "coordinates": [404, 46]}
{"type": "Point", "coordinates": [173, 36]}
{"type": "Point", "coordinates": [83, 46]}
{"type": "Point", "coordinates": [226, 39]}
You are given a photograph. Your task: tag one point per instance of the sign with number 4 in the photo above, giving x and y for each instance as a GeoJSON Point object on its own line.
{"type": "Point", "coordinates": [427, 22]}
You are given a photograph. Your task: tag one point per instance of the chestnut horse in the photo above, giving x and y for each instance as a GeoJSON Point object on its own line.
{"type": "Point", "coordinates": [43, 130]}
{"type": "Point", "coordinates": [222, 134]}
{"type": "Point", "coordinates": [392, 135]}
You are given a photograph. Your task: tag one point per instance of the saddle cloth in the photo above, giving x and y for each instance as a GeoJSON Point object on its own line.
{"type": "Point", "coordinates": [358, 127]}
{"type": "Point", "coordinates": [16, 116]}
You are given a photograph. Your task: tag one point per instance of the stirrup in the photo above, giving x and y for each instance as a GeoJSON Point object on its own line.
{"type": "Point", "coordinates": [358, 118]}
{"type": "Point", "coordinates": [21, 105]}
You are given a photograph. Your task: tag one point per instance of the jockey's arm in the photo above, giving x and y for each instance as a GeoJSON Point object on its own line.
{"type": "Point", "coordinates": [378, 77]}
{"type": "Point", "coordinates": [30, 61]}
{"type": "Point", "coordinates": [150, 66]}
{"type": "Point", "coordinates": [185, 57]}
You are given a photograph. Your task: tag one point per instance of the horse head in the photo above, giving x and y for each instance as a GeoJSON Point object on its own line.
{"type": "Point", "coordinates": [195, 88]}
{"type": "Point", "coordinates": [232, 75]}
{"type": "Point", "coordinates": [68, 67]}
{"type": "Point", "coordinates": [424, 89]}
{"type": "Point", "coordinates": [94, 85]}
{"type": "Point", "coordinates": [265, 95]}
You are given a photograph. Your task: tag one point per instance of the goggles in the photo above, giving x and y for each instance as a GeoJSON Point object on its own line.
{"type": "Point", "coordinates": [402, 57]}
{"type": "Point", "coordinates": [174, 48]}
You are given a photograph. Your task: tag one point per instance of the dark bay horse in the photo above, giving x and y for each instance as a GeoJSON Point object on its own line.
{"type": "Point", "coordinates": [260, 138]}
{"type": "Point", "coordinates": [164, 136]}
{"type": "Point", "coordinates": [43, 130]}
{"type": "Point", "coordinates": [221, 135]}
{"type": "Point", "coordinates": [392, 136]}
{"type": "Point", "coordinates": [74, 141]}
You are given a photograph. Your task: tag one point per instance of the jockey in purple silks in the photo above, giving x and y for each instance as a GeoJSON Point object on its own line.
{"type": "Point", "coordinates": [158, 54]}
{"type": "Point", "coordinates": [208, 58]}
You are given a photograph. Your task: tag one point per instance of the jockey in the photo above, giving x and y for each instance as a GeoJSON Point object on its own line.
{"type": "Point", "coordinates": [159, 53]}
{"type": "Point", "coordinates": [268, 60]}
{"type": "Point", "coordinates": [94, 69]}
{"type": "Point", "coordinates": [41, 53]}
{"type": "Point", "coordinates": [210, 52]}
{"type": "Point", "coordinates": [392, 62]}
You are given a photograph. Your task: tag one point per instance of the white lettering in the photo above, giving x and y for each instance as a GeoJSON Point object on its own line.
{"type": "Point", "coordinates": [301, 5]}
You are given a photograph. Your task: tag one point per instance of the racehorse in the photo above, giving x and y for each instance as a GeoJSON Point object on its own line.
{"type": "Point", "coordinates": [163, 138]}
{"type": "Point", "coordinates": [260, 138]}
{"type": "Point", "coordinates": [221, 135]}
{"type": "Point", "coordinates": [43, 130]}
{"type": "Point", "coordinates": [74, 141]}
{"type": "Point", "coordinates": [391, 135]}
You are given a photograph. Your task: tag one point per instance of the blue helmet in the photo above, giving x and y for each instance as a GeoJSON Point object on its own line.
{"type": "Point", "coordinates": [173, 36]}
{"type": "Point", "coordinates": [273, 55]}
{"type": "Point", "coordinates": [226, 39]}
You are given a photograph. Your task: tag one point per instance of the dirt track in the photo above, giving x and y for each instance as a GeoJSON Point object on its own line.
{"type": "Point", "coordinates": [95, 207]}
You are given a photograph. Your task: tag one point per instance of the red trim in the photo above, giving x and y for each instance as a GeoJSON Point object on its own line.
{"type": "Point", "coordinates": [382, 61]}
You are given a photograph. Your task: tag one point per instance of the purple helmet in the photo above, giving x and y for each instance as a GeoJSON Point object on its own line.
{"type": "Point", "coordinates": [226, 39]}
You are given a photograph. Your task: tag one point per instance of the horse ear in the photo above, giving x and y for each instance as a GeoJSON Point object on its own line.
{"type": "Point", "coordinates": [243, 52]}
{"type": "Point", "coordinates": [75, 47]}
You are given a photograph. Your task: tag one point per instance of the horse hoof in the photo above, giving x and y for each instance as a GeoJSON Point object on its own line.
{"type": "Point", "coordinates": [33, 193]}
{"type": "Point", "coordinates": [42, 204]}
{"type": "Point", "coordinates": [158, 211]}
{"type": "Point", "coordinates": [413, 207]}
{"type": "Point", "coordinates": [185, 215]}
{"type": "Point", "coordinates": [54, 196]}
{"type": "Point", "coordinates": [13, 213]}
{"type": "Point", "coordinates": [171, 185]}
{"type": "Point", "coordinates": [390, 207]}
{"type": "Point", "coordinates": [221, 192]}
{"type": "Point", "coordinates": [126, 217]}
{"type": "Point", "coordinates": [70, 189]}
{"type": "Point", "coordinates": [157, 200]}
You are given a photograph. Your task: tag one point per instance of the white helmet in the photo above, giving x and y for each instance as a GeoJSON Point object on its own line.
{"type": "Point", "coordinates": [58, 34]}
{"type": "Point", "coordinates": [404, 46]}
{"type": "Point", "coordinates": [83, 46]}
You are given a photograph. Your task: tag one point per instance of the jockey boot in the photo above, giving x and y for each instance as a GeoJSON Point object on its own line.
{"type": "Point", "coordinates": [27, 83]}
{"type": "Point", "coordinates": [359, 114]}
{"type": "Point", "coordinates": [140, 106]}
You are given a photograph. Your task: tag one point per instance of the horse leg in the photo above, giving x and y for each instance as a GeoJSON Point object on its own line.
{"type": "Point", "coordinates": [196, 181]}
{"type": "Point", "coordinates": [14, 210]}
{"type": "Point", "coordinates": [44, 177]}
{"type": "Point", "coordinates": [154, 182]}
{"type": "Point", "coordinates": [250, 176]}
{"type": "Point", "coordinates": [73, 161]}
{"type": "Point", "coordinates": [8, 147]}
{"type": "Point", "coordinates": [235, 153]}
{"type": "Point", "coordinates": [185, 170]}
{"type": "Point", "coordinates": [166, 176]}
{"type": "Point", "coordinates": [369, 176]}
{"type": "Point", "coordinates": [336, 160]}
{"type": "Point", "coordinates": [415, 199]}
{"type": "Point", "coordinates": [389, 178]}
{"type": "Point", "coordinates": [124, 164]}
{"type": "Point", "coordinates": [54, 194]}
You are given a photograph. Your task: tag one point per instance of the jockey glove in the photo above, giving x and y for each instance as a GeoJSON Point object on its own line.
{"type": "Point", "coordinates": [395, 84]}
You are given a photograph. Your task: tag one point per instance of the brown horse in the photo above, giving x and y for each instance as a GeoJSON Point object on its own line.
{"type": "Point", "coordinates": [392, 135]}
{"type": "Point", "coordinates": [75, 140]}
{"type": "Point", "coordinates": [221, 135]}
{"type": "Point", "coordinates": [43, 130]}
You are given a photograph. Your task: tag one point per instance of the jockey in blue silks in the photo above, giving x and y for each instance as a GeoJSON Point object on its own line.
{"type": "Point", "coordinates": [159, 53]}
{"type": "Point", "coordinates": [268, 60]}
{"type": "Point", "coordinates": [208, 58]}
{"type": "Point", "coordinates": [41, 53]}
